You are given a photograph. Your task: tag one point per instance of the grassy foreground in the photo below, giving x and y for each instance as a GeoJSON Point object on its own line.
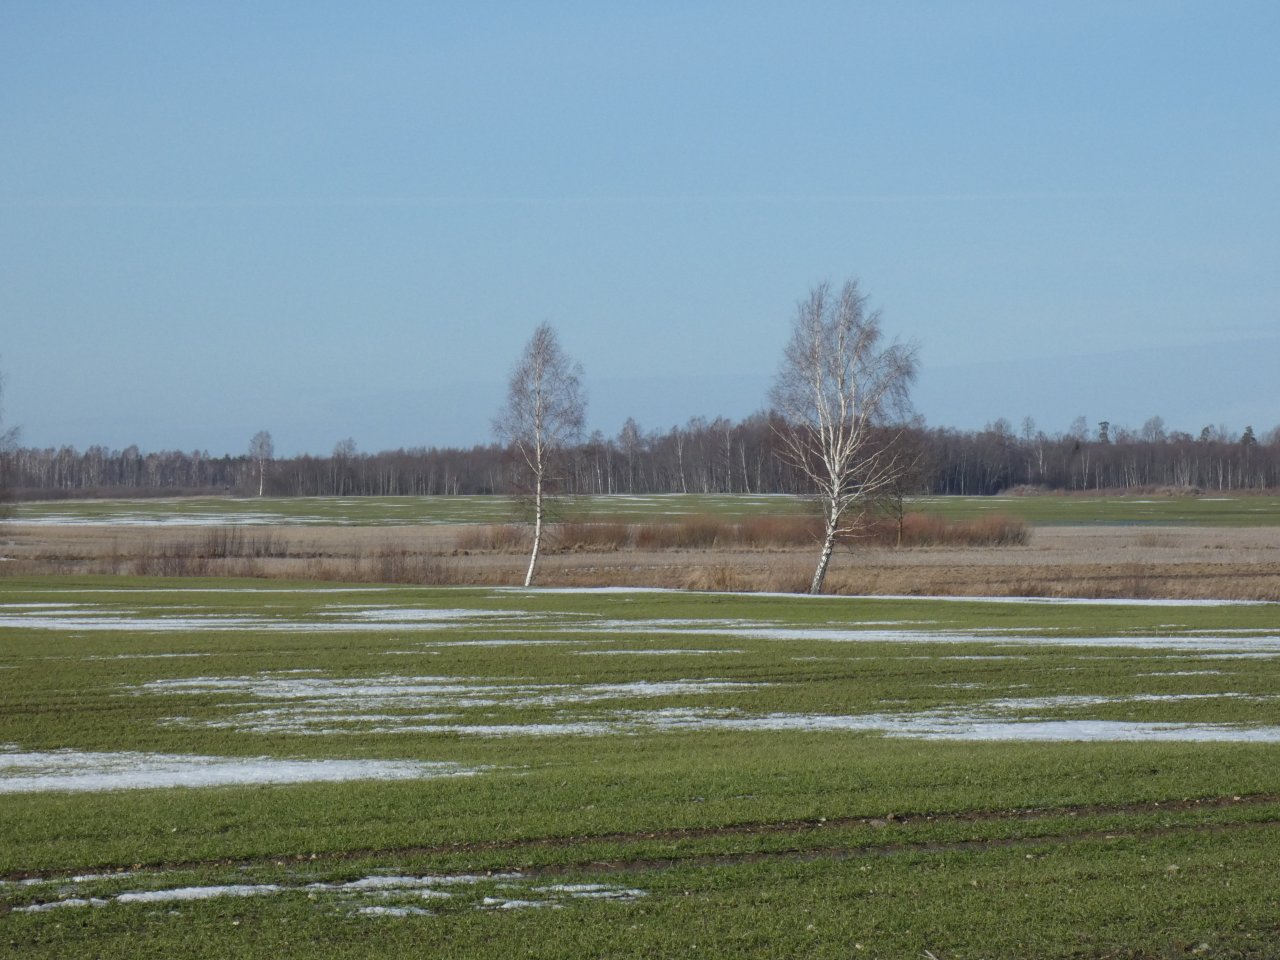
{"type": "Point", "coordinates": [623, 773]}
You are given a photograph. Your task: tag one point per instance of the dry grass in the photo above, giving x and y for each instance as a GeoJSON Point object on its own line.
{"type": "Point", "coordinates": [921, 530]}
{"type": "Point", "coordinates": [591, 536]}
{"type": "Point", "coordinates": [702, 532]}
{"type": "Point", "coordinates": [777, 554]}
{"type": "Point", "coordinates": [697, 532]}
{"type": "Point", "coordinates": [493, 537]}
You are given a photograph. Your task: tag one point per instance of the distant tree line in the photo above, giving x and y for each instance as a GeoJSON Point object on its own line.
{"type": "Point", "coordinates": [702, 456]}
{"type": "Point", "coordinates": [1108, 457]}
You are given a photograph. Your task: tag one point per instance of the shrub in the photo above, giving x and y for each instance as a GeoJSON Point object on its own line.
{"type": "Point", "coordinates": [924, 530]}
{"type": "Point", "coordinates": [499, 537]}
{"type": "Point", "coordinates": [687, 533]}
{"type": "Point", "coordinates": [798, 531]}
{"type": "Point", "coordinates": [580, 535]}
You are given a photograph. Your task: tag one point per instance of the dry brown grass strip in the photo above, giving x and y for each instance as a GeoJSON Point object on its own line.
{"type": "Point", "coordinates": [1201, 563]}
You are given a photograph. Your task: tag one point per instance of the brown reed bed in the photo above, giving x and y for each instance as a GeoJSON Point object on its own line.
{"type": "Point", "coordinates": [703, 532]}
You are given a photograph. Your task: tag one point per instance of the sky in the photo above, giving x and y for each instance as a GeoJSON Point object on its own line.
{"type": "Point", "coordinates": [333, 220]}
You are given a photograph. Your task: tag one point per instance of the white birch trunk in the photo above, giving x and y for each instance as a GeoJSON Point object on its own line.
{"type": "Point", "coordinates": [828, 545]}
{"type": "Point", "coordinates": [537, 523]}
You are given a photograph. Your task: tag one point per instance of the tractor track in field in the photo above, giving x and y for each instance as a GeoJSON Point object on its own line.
{"type": "Point", "coordinates": [843, 851]}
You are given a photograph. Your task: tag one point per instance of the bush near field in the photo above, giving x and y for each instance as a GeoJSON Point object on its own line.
{"type": "Point", "coordinates": [706, 532]}
{"type": "Point", "coordinates": [923, 530]}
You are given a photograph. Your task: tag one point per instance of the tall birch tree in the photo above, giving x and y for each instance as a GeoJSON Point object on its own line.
{"type": "Point", "coordinates": [544, 413]}
{"type": "Point", "coordinates": [8, 440]}
{"type": "Point", "coordinates": [840, 392]}
{"type": "Point", "coordinates": [261, 450]}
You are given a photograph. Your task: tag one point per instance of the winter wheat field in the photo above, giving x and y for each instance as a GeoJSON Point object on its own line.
{"type": "Point", "coordinates": [215, 768]}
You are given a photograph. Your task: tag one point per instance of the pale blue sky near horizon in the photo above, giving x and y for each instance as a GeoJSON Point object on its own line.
{"type": "Point", "coordinates": [331, 220]}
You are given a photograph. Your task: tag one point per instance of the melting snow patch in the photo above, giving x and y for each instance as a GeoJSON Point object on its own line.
{"type": "Point", "coordinates": [592, 891]}
{"type": "Point", "coordinates": [514, 642]}
{"type": "Point", "coordinates": [408, 615]}
{"type": "Point", "coordinates": [199, 893]}
{"type": "Point", "coordinates": [375, 896]}
{"type": "Point", "coordinates": [80, 617]}
{"type": "Point", "coordinates": [327, 705]}
{"type": "Point", "coordinates": [954, 726]}
{"type": "Point", "coordinates": [1084, 601]}
{"type": "Point", "coordinates": [58, 904]}
{"type": "Point", "coordinates": [495, 903]}
{"type": "Point", "coordinates": [649, 652]}
{"type": "Point", "coordinates": [1184, 673]}
{"type": "Point", "coordinates": [439, 705]}
{"type": "Point", "coordinates": [393, 912]}
{"type": "Point", "coordinates": [145, 656]}
{"type": "Point", "coordinates": [79, 771]}
{"type": "Point", "coordinates": [37, 606]}
{"type": "Point", "coordinates": [1004, 637]}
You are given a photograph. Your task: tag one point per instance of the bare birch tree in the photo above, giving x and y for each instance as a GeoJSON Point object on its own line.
{"type": "Point", "coordinates": [261, 450]}
{"type": "Point", "coordinates": [8, 440]}
{"type": "Point", "coordinates": [544, 413]}
{"type": "Point", "coordinates": [837, 390]}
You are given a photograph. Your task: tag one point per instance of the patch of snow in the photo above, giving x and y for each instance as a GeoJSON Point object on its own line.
{"type": "Point", "coordinates": [649, 652]}
{"type": "Point", "coordinates": [198, 893]}
{"type": "Point", "coordinates": [502, 643]}
{"type": "Point", "coordinates": [39, 606]}
{"type": "Point", "coordinates": [1069, 701]}
{"type": "Point", "coordinates": [1185, 673]}
{"type": "Point", "coordinates": [316, 706]}
{"type": "Point", "coordinates": [1085, 601]}
{"type": "Point", "coordinates": [80, 771]}
{"type": "Point", "coordinates": [58, 904]}
{"type": "Point", "coordinates": [593, 891]}
{"type": "Point", "coordinates": [1006, 637]}
{"type": "Point", "coordinates": [405, 615]}
{"type": "Point", "coordinates": [955, 726]}
{"type": "Point", "coordinates": [495, 903]}
{"type": "Point", "coordinates": [357, 893]}
{"type": "Point", "coordinates": [144, 656]}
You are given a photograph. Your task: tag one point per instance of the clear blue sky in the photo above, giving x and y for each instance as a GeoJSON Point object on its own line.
{"type": "Point", "coordinates": [334, 219]}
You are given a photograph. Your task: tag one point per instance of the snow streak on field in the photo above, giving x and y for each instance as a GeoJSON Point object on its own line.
{"type": "Point", "coordinates": [84, 771]}
{"type": "Point", "coordinates": [409, 705]}
{"type": "Point", "coordinates": [81, 617]}
{"type": "Point", "coordinates": [371, 896]}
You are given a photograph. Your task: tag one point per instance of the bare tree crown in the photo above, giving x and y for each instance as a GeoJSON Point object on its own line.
{"type": "Point", "coordinates": [545, 407]}
{"type": "Point", "coordinates": [834, 371]}
{"type": "Point", "coordinates": [261, 447]}
{"type": "Point", "coordinates": [8, 438]}
{"type": "Point", "coordinates": [836, 387]}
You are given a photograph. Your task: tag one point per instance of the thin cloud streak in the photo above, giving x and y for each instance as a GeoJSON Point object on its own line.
{"type": "Point", "coordinates": [47, 203]}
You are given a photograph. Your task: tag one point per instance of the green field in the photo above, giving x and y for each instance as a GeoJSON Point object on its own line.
{"type": "Point", "coordinates": [405, 772]}
{"type": "Point", "coordinates": [381, 511]}
{"type": "Point", "coordinates": [1226, 510]}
